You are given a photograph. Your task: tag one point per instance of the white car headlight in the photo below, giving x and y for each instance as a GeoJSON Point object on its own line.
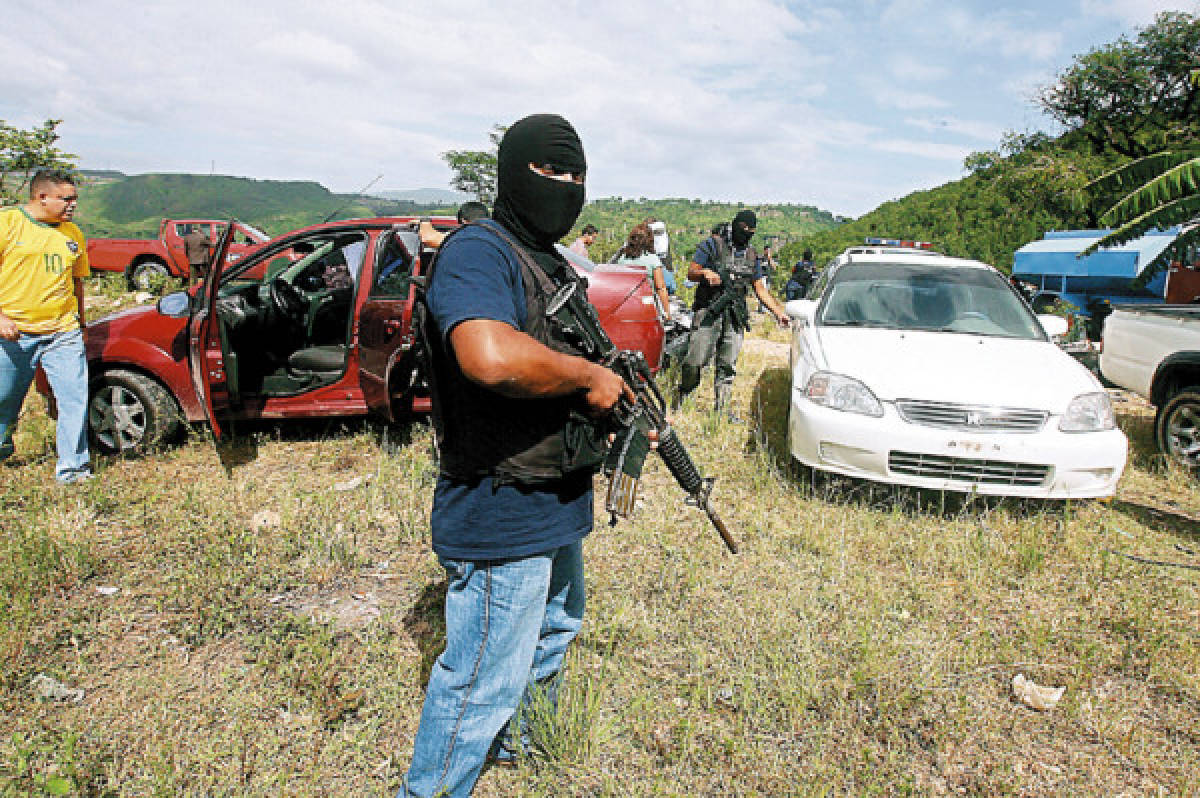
{"type": "Point", "coordinates": [1088, 412]}
{"type": "Point", "coordinates": [840, 392]}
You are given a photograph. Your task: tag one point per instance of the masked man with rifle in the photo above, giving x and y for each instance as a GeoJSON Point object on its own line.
{"type": "Point", "coordinates": [516, 409]}
{"type": "Point", "coordinates": [725, 267]}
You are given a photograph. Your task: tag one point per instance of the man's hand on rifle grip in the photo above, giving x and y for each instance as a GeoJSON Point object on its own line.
{"type": "Point", "coordinates": [604, 388]}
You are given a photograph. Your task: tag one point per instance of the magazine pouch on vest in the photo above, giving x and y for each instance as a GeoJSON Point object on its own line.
{"type": "Point", "coordinates": [520, 441]}
{"type": "Point", "coordinates": [737, 273]}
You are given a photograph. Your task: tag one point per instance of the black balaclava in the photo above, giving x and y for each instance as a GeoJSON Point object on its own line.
{"type": "Point", "coordinates": [743, 223]}
{"type": "Point", "coordinates": [534, 208]}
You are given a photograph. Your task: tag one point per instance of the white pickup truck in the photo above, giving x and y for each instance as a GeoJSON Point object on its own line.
{"type": "Point", "coordinates": [1154, 351]}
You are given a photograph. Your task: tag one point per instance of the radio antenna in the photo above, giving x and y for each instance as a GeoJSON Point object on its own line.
{"type": "Point", "coordinates": [358, 193]}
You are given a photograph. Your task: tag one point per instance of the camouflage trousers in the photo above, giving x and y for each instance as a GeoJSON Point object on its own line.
{"type": "Point", "coordinates": [721, 339]}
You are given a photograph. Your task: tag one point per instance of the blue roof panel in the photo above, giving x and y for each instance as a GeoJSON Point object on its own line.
{"type": "Point", "coordinates": [1056, 254]}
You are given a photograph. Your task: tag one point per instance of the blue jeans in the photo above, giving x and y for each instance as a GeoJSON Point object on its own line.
{"type": "Point", "coordinates": [508, 624]}
{"type": "Point", "coordinates": [62, 357]}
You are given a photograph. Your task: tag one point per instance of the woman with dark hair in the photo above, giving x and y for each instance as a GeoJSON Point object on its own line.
{"type": "Point", "coordinates": [639, 251]}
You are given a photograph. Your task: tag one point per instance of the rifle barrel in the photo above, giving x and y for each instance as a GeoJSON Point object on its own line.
{"type": "Point", "coordinates": [730, 543]}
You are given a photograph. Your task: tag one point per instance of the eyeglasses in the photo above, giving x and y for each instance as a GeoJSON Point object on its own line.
{"type": "Point", "coordinates": [559, 173]}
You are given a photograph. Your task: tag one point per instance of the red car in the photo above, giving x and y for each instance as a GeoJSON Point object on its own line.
{"type": "Point", "coordinates": [143, 259]}
{"type": "Point", "coordinates": [315, 323]}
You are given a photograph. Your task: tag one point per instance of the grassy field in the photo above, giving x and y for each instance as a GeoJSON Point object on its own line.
{"type": "Point", "coordinates": [277, 608]}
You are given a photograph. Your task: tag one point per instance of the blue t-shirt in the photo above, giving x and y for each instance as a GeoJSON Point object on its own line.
{"type": "Point", "coordinates": [479, 277]}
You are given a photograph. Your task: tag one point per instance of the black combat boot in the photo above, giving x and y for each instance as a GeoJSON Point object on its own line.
{"type": "Point", "coordinates": [689, 380]}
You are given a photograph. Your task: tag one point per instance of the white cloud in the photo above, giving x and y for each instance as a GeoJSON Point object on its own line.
{"type": "Point", "coordinates": [1024, 86]}
{"type": "Point", "coordinates": [906, 66]}
{"type": "Point", "coordinates": [955, 27]}
{"type": "Point", "coordinates": [316, 54]}
{"type": "Point", "coordinates": [787, 99]}
{"type": "Point", "coordinates": [907, 100]}
{"type": "Point", "coordinates": [923, 149]}
{"type": "Point", "coordinates": [984, 131]}
{"type": "Point", "coordinates": [1134, 12]}
{"type": "Point", "coordinates": [998, 31]}
{"type": "Point", "coordinates": [906, 14]}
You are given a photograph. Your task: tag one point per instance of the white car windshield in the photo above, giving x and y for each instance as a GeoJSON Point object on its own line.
{"type": "Point", "coordinates": [907, 296]}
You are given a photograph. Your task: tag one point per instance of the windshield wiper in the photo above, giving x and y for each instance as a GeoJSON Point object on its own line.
{"type": "Point", "coordinates": [859, 323]}
{"type": "Point", "coordinates": [958, 331]}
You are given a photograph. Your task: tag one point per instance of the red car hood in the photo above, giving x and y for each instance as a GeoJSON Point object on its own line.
{"type": "Point", "coordinates": [138, 310]}
{"type": "Point", "coordinates": [142, 323]}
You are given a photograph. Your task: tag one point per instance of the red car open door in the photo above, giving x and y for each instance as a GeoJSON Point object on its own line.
{"type": "Point", "coordinates": [386, 369]}
{"type": "Point", "coordinates": [208, 350]}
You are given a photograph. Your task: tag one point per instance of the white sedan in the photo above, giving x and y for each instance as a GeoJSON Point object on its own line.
{"type": "Point", "coordinates": [925, 370]}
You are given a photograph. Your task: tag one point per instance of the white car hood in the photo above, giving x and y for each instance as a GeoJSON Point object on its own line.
{"type": "Point", "coordinates": [956, 367]}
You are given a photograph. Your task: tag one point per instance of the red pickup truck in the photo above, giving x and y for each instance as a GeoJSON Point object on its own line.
{"type": "Point", "coordinates": [143, 260]}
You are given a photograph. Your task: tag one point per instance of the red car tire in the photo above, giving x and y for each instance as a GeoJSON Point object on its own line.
{"type": "Point", "coordinates": [130, 413]}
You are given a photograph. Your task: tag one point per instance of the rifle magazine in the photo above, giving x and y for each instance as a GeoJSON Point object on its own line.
{"type": "Point", "coordinates": [622, 493]}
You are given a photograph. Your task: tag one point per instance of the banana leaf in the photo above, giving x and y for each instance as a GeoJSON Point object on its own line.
{"type": "Point", "coordinates": [1180, 181]}
{"type": "Point", "coordinates": [1140, 171]}
{"type": "Point", "coordinates": [1180, 211]}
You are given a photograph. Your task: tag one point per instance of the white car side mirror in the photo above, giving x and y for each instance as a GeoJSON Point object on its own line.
{"type": "Point", "coordinates": [1055, 326]}
{"type": "Point", "coordinates": [801, 309]}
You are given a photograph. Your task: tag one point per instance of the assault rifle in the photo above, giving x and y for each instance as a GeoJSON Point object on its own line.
{"type": "Point", "coordinates": [632, 421]}
{"type": "Point", "coordinates": [733, 294]}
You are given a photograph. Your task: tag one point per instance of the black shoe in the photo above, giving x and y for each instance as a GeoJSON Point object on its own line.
{"type": "Point", "coordinates": [502, 757]}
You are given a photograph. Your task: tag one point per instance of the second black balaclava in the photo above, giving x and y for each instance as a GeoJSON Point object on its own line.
{"type": "Point", "coordinates": [740, 235]}
{"type": "Point", "coordinates": [536, 209]}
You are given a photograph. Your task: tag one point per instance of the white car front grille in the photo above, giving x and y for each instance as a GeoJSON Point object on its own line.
{"type": "Point", "coordinates": [975, 418]}
{"type": "Point", "coordinates": [963, 469]}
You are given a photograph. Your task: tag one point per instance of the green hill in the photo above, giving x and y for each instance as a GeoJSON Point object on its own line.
{"type": "Point", "coordinates": [120, 205]}
{"type": "Point", "coordinates": [1009, 198]}
{"type": "Point", "coordinates": [690, 220]}
{"type": "Point", "coordinates": [134, 206]}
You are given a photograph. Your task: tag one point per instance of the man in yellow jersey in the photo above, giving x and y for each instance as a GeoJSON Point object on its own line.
{"type": "Point", "coordinates": [43, 260]}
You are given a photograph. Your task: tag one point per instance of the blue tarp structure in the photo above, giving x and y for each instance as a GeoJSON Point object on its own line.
{"type": "Point", "coordinates": [1052, 265]}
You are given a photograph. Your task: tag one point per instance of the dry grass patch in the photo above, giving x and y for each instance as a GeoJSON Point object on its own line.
{"type": "Point", "coordinates": [273, 628]}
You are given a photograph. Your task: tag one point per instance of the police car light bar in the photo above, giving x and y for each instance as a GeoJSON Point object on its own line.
{"type": "Point", "coordinates": [898, 242]}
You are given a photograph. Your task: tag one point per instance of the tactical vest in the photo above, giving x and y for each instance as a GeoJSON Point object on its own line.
{"type": "Point", "coordinates": [740, 267]}
{"type": "Point", "coordinates": [519, 441]}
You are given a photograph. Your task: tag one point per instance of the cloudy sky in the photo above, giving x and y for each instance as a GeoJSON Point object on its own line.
{"type": "Point", "coordinates": [842, 105]}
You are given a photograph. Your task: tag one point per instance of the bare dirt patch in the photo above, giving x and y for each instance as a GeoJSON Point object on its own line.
{"type": "Point", "coordinates": [775, 350]}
